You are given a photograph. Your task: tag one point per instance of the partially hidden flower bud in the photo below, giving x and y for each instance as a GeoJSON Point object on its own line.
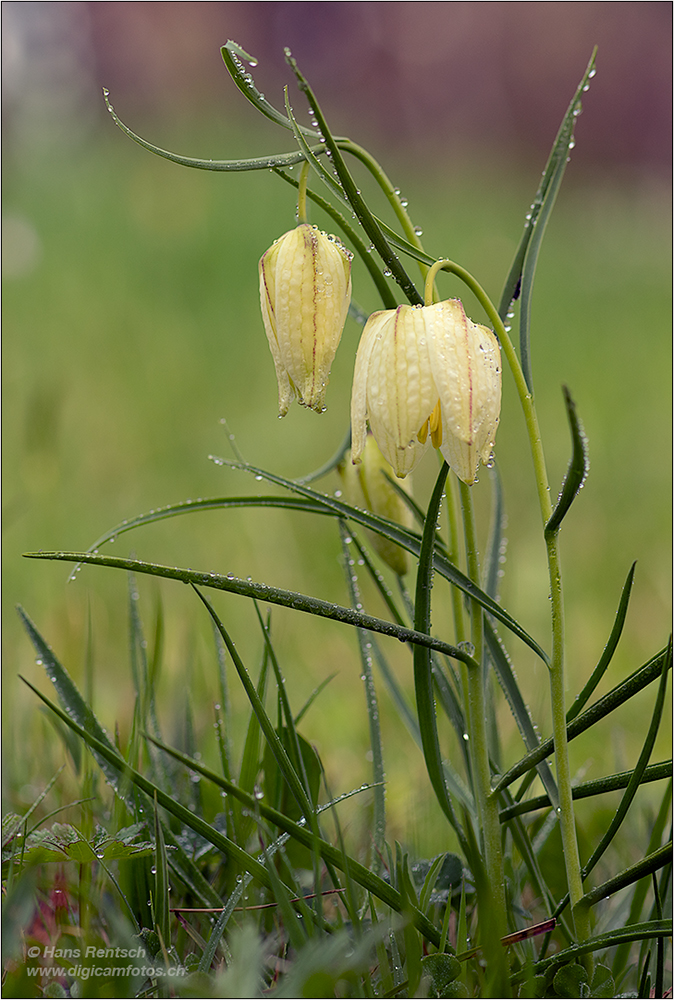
{"type": "Point", "coordinates": [305, 290]}
{"type": "Point", "coordinates": [366, 486]}
{"type": "Point", "coordinates": [427, 374]}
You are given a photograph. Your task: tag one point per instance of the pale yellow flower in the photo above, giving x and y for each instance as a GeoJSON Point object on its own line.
{"type": "Point", "coordinates": [366, 486]}
{"type": "Point", "coordinates": [427, 374]}
{"type": "Point", "coordinates": [305, 290]}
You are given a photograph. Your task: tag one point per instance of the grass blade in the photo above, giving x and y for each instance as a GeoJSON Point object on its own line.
{"type": "Point", "coordinates": [262, 592]}
{"type": "Point", "coordinates": [254, 163]}
{"type": "Point", "coordinates": [507, 680]}
{"type": "Point", "coordinates": [579, 465]}
{"type": "Point", "coordinates": [74, 703]}
{"type": "Point", "coordinates": [640, 679]}
{"type": "Point", "coordinates": [270, 734]}
{"type": "Point", "coordinates": [423, 676]}
{"type": "Point", "coordinates": [610, 648]}
{"type": "Point", "coordinates": [651, 863]}
{"type": "Point", "coordinates": [365, 646]}
{"type": "Point", "coordinates": [611, 783]}
{"type": "Point", "coordinates": [534, 226]}
{"type": "Point", "coordinates": [240, 858]}
{"type": "Point", "coordinates": [360, 874]}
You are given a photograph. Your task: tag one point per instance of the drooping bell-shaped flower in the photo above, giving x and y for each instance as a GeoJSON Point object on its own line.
{"type": "Point", "coordinates": [305, 290]}
{"type": "Point", "coordinates": [427, 373]}
{"type": "Point", "coordinates": [366, 485]}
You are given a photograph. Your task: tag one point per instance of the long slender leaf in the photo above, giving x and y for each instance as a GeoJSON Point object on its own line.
{"type": "Point", "coordinates": [319, 503]}
{"type": "Point", "coordinates": [161, 882]}
{"type": "Point", "coordinates": [634, 781]}
{"type": "Point", "coordinates": [579, 465]}
{"type": "Point", "coordinates": [270, 734]}
{"type": "Point", "coordinates": [216, 934]}
{"type": "Point", "coordinates": [598, 786]}
{"type": "Point", "coordinates": [262, 592]}
{"type": "Point", "coordinates": [254, 163]}
{"type": "Point", "coordinates": [233, 57]}
{"type": "Point", "coordinates": [637, 932]}
{"type": "Point", "coordinates": [582, 698]}
{"type": "Point", "coordinates": [558, 156]}
{"type": "Point", "coordinates": [372, 706]}
{"type": "Point", "coordinates": [651, 863]}
{"type": "Point", "coordinates": [403, 537]}
{"type": "Point", "coordinates": [74, 704]}
{"type": "Point", "coordinates": [641, 889]}
{"type": "Point", "coordinates": [507, 680]}
{"type": "Point", "coordinates": [319, 167]}
{"type": "Point", "coordinates": [352, 192]}
{"type": "Point", "coordinates": [423, 676]}
{"type": "Point", "coordinates": [211, 503]}
{"type": "Point", "coordinates": [640, 679]}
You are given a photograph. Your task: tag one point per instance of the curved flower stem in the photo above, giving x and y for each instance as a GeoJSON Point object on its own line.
{"type": "Point", "coordinates": [487, 804]}
{"type": "Point", "coordinates": [302, 216]}
{"type": "Point", "coordinates": [392, 194]}
{"type": "Point", "coordinates": [381, 284]}
{"type": "Point", "coordinates": [556, 667]}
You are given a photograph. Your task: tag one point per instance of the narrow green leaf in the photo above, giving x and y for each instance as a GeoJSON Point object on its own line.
{"type": "Point", "coordinates": [651, 863]}
{"type": "Point", "coordinates": [268, 730]}
{"type": "Point", "coordinates": [318, 166]}
{"type": "Point", "coordinates": [312, 697]}
{"type": "Point", "coordinates": [637, 932]}
{"type": "Point", "coordinates": [429, 883]}
{"type": "Point", "coordinates": [611, 783]}
{"type": "Point", "coordinates": [579, 465]}
{"type": "Point", "coordinates": [255, 163]}
{"type": "Point", "coordinates": [216, 934]}
{"type": "Point", "coordinates": [262, 592]}
{"type": "Point", "coordinates": [357, 202]}
{"type": "Point", "coordinates": [161, 881]}
{"type": "Point", "coordinates": [637, 774]}
{"type": "Point", "coordinates": [508, 681]}
{"type": "Point", "coordinates": [233, 57]}
{"type": "Point", "coordinates": [495, 545]}
{"type": "Point", "coordinates": [406, 539]}
{"type": "Point", "coordinates": [319, 503]}
{"type": "Point", "coordinates": [640, 679]}
{"type": "Point", "coordinates": [74, 703]}
{"type": "Point", "coordinates": [297, 934]}
{"type": "Point", "coordinates": [641, 889]}
{"type": "Point", "coordinates": [558, 156]}
{"type": "Point", "coordinates": [635, 779]}
{"type": "Point", "coordinates": [583, 697]}
{"type": "Point", "coordinates": [296, 753]}
{"type": "Point", "coordinates": [212, 503]}
{"type": "Point", "coordinates": [378, 831]}
{"type": "Point", "coordinates": [423, 677]}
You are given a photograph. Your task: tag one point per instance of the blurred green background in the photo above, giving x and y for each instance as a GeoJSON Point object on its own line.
{"type": "Point", "coordinates": [132, 328]}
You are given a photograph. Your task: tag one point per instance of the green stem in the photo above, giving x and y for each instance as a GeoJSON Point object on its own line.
{"type": "Point", "coordinates": [302, 216]}
{"type": "Point", "coordinates": [556, 666]}
{"type": "Point", "coordinates": [486, 803]}
{"type": "Point", "coordinates": [392, 193]}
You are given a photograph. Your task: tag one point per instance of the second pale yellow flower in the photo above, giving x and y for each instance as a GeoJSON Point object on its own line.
{"type": "Point", "coordinates": [427, 374]}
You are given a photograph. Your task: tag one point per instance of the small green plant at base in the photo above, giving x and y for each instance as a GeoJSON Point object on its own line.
{"type": "Point", "coordinates": [237, 879]}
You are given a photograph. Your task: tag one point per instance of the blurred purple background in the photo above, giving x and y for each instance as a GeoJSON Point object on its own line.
{"type": "Point", "coordinates": [436, 76]}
